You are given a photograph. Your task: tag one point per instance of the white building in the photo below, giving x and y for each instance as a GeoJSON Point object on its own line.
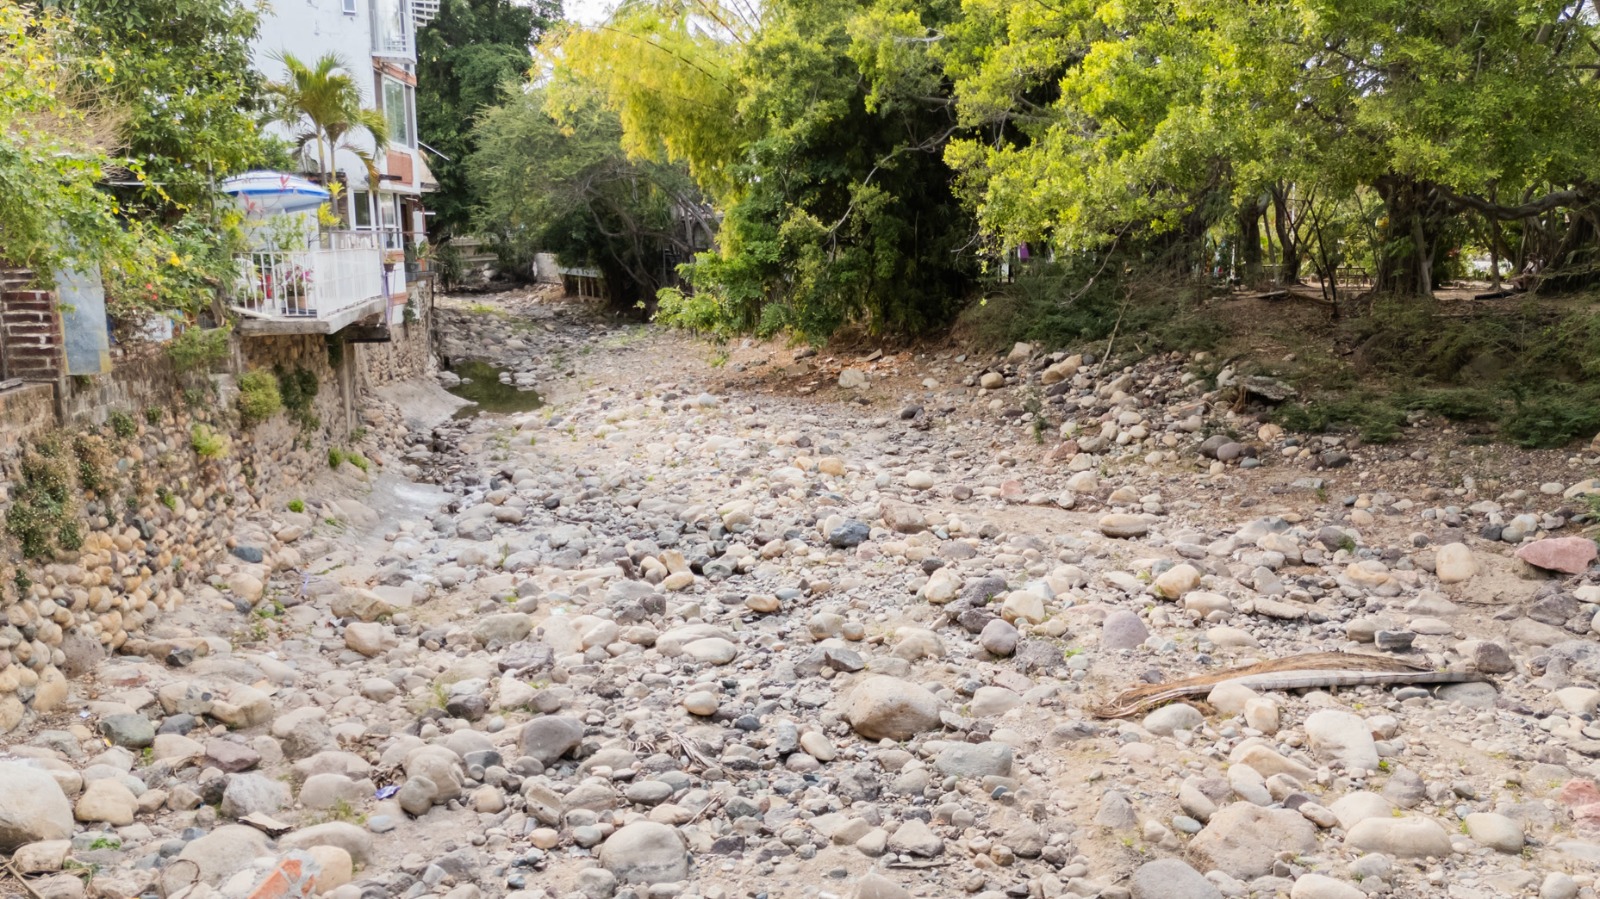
{"type": "Point", "coordinates": [375, 41]}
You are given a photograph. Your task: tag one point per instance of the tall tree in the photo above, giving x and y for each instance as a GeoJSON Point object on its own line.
{"type": "Point", "coordinates": [180, 72]}
{"type": "Point", "coordinates": [818, 128]}
{"type": "Point", "coordinates": [464, 56]}
{"type": "Point", "coordinates": [569, 188]}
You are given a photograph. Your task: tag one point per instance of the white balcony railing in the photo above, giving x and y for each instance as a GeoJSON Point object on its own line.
{"type": "Point", "coordinates": [323, 282]}
{"type": "Point", "coordinates": [393, 30]}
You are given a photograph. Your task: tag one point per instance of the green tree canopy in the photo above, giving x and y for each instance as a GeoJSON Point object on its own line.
{"type": "Point", "coordinates": [190, 101]}
{"type": "Point", "coordinates": [568, 188]}
{"type": "Point", "coordinates": [819, 133]}
{"type": "Point", "coordinates": [464, 56]}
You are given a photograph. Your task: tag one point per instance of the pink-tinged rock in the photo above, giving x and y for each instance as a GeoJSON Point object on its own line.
{"type": "Point", "coordinates": [1571, 555]}
{"type": "Point", "coordinates": [1582, 798]}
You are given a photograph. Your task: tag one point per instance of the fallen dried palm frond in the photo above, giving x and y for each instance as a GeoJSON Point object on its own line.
{"type": "Point", "coordinates": [1316, 669]}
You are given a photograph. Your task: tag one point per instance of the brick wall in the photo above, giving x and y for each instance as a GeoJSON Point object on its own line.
{"type": "Point", "coordinates": [30, 325]}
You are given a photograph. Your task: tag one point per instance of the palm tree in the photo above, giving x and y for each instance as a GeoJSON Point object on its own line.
{"type": "Point", "coordinates": [322, 104]}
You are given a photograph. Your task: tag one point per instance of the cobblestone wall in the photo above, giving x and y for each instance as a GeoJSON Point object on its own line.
{"type": "Point", "coordinates": [164, 520]}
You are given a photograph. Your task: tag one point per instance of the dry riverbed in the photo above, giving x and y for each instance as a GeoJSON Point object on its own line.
{"type": "Point", "coordinates": [751, 621]}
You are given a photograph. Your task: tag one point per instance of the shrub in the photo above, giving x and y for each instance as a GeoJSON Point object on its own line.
{"type": "Point", "coordinates": [122, 425]}
{"type": "Point", "coordinates": [259, 399]}
{"type": "Point", "coordinates": [298, 388]}
{"type": "Point", "coordinates": [43, 513]}
{"type": "Point", "coordinates": [198, 349]}
{"type": "Point", "coordinates": [335, 456]}
{"type": "Point", "coordinates": [207, 443]}
{"type": "Point", "coordinates": [297, 505]}
{"type": "Point", "coordinates": [1554, 419]}
{"type": "Point", "coordinates": [153, 415]}
{"type": "Point", "coordinates": [96, 463]}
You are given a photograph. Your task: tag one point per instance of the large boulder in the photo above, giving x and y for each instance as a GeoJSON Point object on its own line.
{"type": "Point", "coordinates": [1342, 737]}
{"type": "Point", "coordinates": [646, 852]}
{"type": "Point", "coordinates": [1400, 837]}
{"type": "Point", "coordinates": [550, 737]}
{"type": "Point", "coordinates": [32, 807]}
{"type": "Point", "coordinates": [890, 708]}
{"type": "Point", "coordinates": [225, 851]}
{"type": "Point", "coordinates": [1243, 839]}
{"type": "Point", "coordinates": [1170, 878]}
{"type": "Point", "coordinates": [1569, 555]}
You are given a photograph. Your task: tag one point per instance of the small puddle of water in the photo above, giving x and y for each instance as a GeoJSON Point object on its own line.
{"type": "Point", "coordinates": [480, 383]}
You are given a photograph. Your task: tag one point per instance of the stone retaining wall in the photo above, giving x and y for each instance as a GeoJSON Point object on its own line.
{"type": "Point", "coordinates": [168, 520]}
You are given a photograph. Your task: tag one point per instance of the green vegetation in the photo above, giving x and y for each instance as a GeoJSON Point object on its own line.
{"type": "Point", "coordinates": [122, 425]}
{"type": "Point", "coordinates": [197, 351]}
{"type": "Point", "coordinates": [259, 398]}
{"type": "Point", "coordinates": [97, 464]}
{"type": "Point", "coordinates": [321, 103]}
{"type": "Point", "coordinates": [819, 131]}
{"type": "Point", "coordinates": [297, 505]}
{"type": "Point", "coordinates": [1527, 372]}
{"type": "Point", "coordinates": [298, 388]}
{"type": "Point", "coordinates": [44, 506]}
{"type": "Point", "coordinates": [335, 457]}
{"type": "Point", "coordinates": [153, 415]}
{"type": "Point", "coordinates": [877, 165]}
{"type": "Point", "coordinates": [465, 56]}
{"type": "Point", "coordinates": [578, 194]}
{"type": "Point", "coordinates": [207, 443]}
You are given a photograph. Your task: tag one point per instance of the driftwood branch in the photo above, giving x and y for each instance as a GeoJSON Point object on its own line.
{"type": "Point", "coordinates": [1318, 669]}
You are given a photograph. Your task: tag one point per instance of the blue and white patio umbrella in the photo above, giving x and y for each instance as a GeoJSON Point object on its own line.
{"type": "Point", "coordinates": [272, 193]}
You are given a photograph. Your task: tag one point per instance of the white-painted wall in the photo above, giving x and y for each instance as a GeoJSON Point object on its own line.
{"type": "Point", "coordinates": [309, 29]}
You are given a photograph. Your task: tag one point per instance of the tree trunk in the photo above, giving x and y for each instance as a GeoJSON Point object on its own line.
{"type": "Point", "coordinates": [1249, 220]}
{"type": "Point", "coordinates": [1575, 265]}
{"type": "Point", "coordinates": [1405, 252]}
{"type": "Point", "coordinates": [1288, 239]}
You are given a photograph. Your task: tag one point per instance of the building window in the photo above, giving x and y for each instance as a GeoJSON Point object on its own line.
{"type": "Point", "coordinates": [389, 220]}
{"type": "Point", "coordinates": [361, 208]}
{"type": "Point", "coordinates": [397, 106]}
{"type": "Point", "coordinates": [349, 7]}
{"type": "Point", "coordinates": [391, 28]}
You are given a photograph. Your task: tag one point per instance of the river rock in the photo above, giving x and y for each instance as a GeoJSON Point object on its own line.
{"type": "Point", "coordinates": [1176, 581]}
{"type": "Point", "coordinates": [1243, 839]}
{"type": "Point", "coordinates": [253, 794]}
{"type": "Point", "coordinates": [1498, 832]}
{"type": "Point", "coordinates": [224, 851]}
{"type": "Point", "coordinates": [1454, 564]}
{"type": "Point", "coordinates": [1122, 526]}
{"type": "Point", "coordinates": [1400, 837]}
{"type": "Point", "coordinates": [550, 737]}
{"type": "Point", "coordinates": [1171, 878]}
{"type": "Point", "coordinates": [890, 708]}
{"type": "Point", "coordinates": [107, 801]}
{"type": "Point", "coordinates": [1321, 886]}
{"type": "Point", "coordinates": [1569, 555]}
{"type": "Point", "coordinates": [646, 852]}
{"type": "Point", "coordinates": [1123, 629]}
{"type": "Point", "coordinates": [1342, 737]}
{"type": "Point", "coordinates": [32, 807]}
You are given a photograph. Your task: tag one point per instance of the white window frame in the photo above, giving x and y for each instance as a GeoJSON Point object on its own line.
{"type": "Point", "coordinates": [361, 201]}
{"type": "Point", "coordinates": [349, 7]}
{"type": "Point", "coordinates": [408, 104]}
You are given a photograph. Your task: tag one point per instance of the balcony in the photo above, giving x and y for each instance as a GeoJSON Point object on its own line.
{"type": "Point", "coordinates": [316, 290]}
{"type": "Point", "coordinates": [393, 30]}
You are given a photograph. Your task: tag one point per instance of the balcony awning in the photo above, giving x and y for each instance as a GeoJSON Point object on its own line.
{"type": "Point", "coordinates": [269, 193]}
{"type": "Point", "coordinates": [425, 177]}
